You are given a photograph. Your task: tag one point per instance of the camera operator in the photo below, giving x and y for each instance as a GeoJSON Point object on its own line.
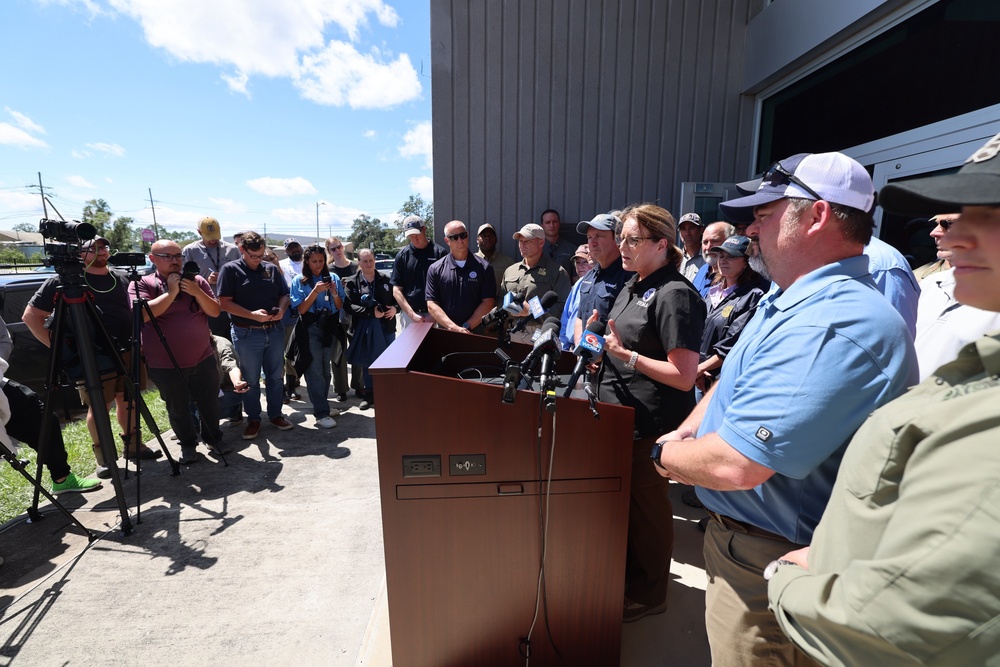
{"type": "Point", "coordinates": [110, 293]}
{"type": "Point", "coordinates": [182, 304]}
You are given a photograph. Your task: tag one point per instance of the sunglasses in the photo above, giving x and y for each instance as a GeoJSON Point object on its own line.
{"type": "Point", "coordinates": [777, 175]}
{"type": "Point", "coordinates": [163, 255]}
{"type": "Point", "coordinates": [334, 248]}
{"type": "Point", "coordinates": [944, 224]}
{"type": "Point", "coordinates": [460, 236]}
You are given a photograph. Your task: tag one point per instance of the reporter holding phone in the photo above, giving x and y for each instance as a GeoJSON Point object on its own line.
{"type": "Point", "coordinates": [254, 293]}
{"type": "Point", "coordinates": [373, 318]}
{"type": "Point", "coordinates": [318, 297]}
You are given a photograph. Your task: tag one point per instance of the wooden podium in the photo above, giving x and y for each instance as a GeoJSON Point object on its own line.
{"type": "Point", "coordinates": [463, 482]}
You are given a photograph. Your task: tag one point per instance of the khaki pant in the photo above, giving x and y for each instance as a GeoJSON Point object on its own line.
{"type": "Point", "coordinates": [741, 629]}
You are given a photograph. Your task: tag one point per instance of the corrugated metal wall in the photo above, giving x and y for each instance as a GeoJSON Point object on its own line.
{"type": "Point", "coordinates": [583, 105]}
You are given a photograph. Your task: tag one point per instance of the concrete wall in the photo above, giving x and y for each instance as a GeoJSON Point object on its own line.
{"type": "Point", "coordinates": [583, 105]}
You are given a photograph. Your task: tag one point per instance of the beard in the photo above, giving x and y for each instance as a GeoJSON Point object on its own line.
{"type": "Point", "coordinates": [712, 259]}
{"type": "Point", "coordinates": [757, 263]}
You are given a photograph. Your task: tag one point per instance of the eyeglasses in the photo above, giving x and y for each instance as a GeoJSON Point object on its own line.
{"type": "Point", "coordinates": [97, 249]}
{"type": "Point", "coordinates": [778, 175]}
{"type": "Point", "coordinates": [631, 241]}
{"type": "Point", "coordinates": [162, 255]}
{"type": "Point", "coordinates": [334, 248]}
{"type": "Point", "coordinates": [945, 224]}
{"type": "Point", "coordinates": [456, 237]}
{"type": "Point", "coordinates": [252, 255]}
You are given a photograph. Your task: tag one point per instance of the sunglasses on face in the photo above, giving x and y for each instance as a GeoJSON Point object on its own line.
{"type": "Point", "coordinates": [334, 248]}
{"type": "Point", "coordinates": [460, 236]}
{"type": "Point", "coordinates": [777, 175]}
{"type": "Point", "coordinates": [945, 224]}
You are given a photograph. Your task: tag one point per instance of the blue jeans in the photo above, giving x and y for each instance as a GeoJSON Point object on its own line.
{"type": "Point", "coordinates": [261, 349]}
{"type": "Point", "coordinates": [318, 373]}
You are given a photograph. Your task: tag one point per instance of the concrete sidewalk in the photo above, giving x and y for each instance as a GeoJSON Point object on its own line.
{"type": "Point", "coordinates": [276, 559]}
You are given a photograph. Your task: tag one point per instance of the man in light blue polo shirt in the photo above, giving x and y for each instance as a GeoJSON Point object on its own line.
{"type": "Point", "coordinates": [824, 349]}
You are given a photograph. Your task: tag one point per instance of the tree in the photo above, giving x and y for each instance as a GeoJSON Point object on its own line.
{"type": "Point", "coordinates": [416, 205]}
{"type": "Point", "coordinates": [98, 213]}
{"type": "Point", "coordinates": [11, 255]}
{"type": "Point", "coordinates": [122, 236]}
{"type": "Point", "coordinates": [25, 227]}
{"type": "Point", "coordinates": [369, 232]}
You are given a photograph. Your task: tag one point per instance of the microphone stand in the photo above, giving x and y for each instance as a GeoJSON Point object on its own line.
{"type": "Point", "coordinates": [588, 388]}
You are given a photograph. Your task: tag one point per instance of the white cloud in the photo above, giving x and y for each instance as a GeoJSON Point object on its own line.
{"type": "Point", "coordinates": [80, 182]}
{"type": "Point", "coordinates": [80, 155]}
{"type": "Point", "coordinates": [16, 204]}
{"type": "Point", "coordinates": [417, 142]}
{"type": "Point", "coordinates": [24, 122]}
{"type": "Point", "coordinates": [340, 75]}
{"type": "Point", "coordinates": [228, 205]}
{"type": "Point", "coordinates": [424, 186]}
{"type": "Point", "coordinates": [20, 136]}
{"type": "Point", "coordinates": [370, 134]}
{"type": "Point", "coordinates": [281, 187]}
{"type": "Point", "coordinates": [263, 37]}
{"type": "Point", "coordinates": [330, 215]}
{"type": "Point", "coordinates": [112, 150]}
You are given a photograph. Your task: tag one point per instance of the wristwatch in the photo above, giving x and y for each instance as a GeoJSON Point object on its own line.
{"type": "Point", "coordinates": [656, 452]}
{"type": "Point", "coordinates": [630, 364]}
{"type": "Point", "coordinates": [772, 567]}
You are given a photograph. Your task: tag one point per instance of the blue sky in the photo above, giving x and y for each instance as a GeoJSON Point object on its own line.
{"type": "Point", "coordinates": [251, 111]}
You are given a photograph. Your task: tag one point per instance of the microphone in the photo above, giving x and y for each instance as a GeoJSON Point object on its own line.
{"type": "Point", "coordinates": [590, 348]}
{"type": "Point", "coordinates": [548, 339]}
{"type": "Point", "coordinates": [511, 304]}
{"type": "Point", "coordinates": [538, 308]}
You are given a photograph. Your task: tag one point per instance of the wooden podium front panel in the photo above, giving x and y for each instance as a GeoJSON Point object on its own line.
{"type": "Point", "coordinates": [463, 552]}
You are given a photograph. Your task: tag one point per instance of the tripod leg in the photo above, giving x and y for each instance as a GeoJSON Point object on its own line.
{"type": "Point", "coordinates": [20, 466]}
{"type": "Point", "coordinates": [51, 381]}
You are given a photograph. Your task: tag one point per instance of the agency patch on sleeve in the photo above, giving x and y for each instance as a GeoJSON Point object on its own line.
{"type": "Point", "coordinates": [763, 434]}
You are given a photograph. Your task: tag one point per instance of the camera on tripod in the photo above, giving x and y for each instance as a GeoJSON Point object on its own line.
{"type": "Point", "coordinates": [72, 232]}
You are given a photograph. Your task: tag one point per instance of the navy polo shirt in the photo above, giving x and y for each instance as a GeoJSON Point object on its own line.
{"type": "Point", "coordinates": [460, 289]}
{"type": "Point", "coordinates": [409, 272]}
{"type": "Point", "coordinates": [599, 288]}
{"type": "Point", "coordinates": [252, 289]}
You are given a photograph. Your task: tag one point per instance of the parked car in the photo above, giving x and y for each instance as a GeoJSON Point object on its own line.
{"type": "Point", "coordinates": [384, 266]}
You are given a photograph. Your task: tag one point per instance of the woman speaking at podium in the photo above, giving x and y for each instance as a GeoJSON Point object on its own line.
{"type": "Point", "coordinates": [650, 363]}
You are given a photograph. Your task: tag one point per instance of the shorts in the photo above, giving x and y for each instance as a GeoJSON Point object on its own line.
{"type": "Point", "coordinates": [115, 384]}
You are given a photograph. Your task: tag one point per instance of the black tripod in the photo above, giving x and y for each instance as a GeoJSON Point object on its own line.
{"type": "Point", "coordinates": [74, 299]}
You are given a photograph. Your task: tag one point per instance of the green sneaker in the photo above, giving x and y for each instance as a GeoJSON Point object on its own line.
{"type": "Point", "coordinates": [74, 484]}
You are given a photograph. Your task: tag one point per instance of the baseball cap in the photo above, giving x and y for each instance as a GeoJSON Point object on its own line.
{"type": "Point", "coordinates": [530, 231]}
{"type": "Point", "coordinates": [603, 221]}
{"type": "Point", "coordinates": [977, 183]}
{"type": "Point", "coordinates": [689, 217]}
{"type": "Point", "coordinates": [87, 245]}
{"type": "Point", "coordinates": [832, 177]}
{"type": "Point", "coordinates": [734, 246]}
{"type": "Point", "coordinates": [486, 225]}
{"type": "Point", "coordinates": [209, 229]}
{"type": "Point", "coordinates": [412, 224]}
{"type": "Point", "coordinates": [290, 241]}
{"type": "Point", "coordinates": [582, 251]}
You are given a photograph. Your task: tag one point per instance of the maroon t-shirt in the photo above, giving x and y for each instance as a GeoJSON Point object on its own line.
{"type": "Point", "coordinates": [184, 325]}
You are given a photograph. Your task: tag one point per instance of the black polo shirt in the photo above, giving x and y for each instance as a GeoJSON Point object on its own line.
{"type": "Point", "coordinates": [653, 316]}
{"type": "Point", "coordinates": [460, 289]}
{"type": "Point", "coordinates": [409, 272]}
{"type": "Point", "coordinates": [252, 289]}
{"type": "Point", "coordinates": [725, 322]}
{"type": "Point", "coordinates": [599, 288]}
{"type": "Point", "coordinates": [110, 293]}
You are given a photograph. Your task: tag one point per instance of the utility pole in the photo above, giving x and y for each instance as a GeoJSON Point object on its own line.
{"type": "Point", "coordinates": [41, 193]}
{"type": "Point", "coordinates": [156, 232]}
{"type": "Point", "coordinates": [318, 204]}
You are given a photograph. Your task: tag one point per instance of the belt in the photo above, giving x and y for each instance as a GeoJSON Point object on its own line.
{"type": "Point", "coordinates": [266, 325]}
{"type": "Point", "coordinates": [749, 529]}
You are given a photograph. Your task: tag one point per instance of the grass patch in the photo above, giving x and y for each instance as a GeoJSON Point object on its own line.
{"type": "Point", "coordinates": [16, 492]}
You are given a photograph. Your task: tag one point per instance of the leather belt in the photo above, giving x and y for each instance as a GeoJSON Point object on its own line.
{"type": "Point", "coordinates": [266, 325]}
{"type": "Point", "coordinates": [749, 529]}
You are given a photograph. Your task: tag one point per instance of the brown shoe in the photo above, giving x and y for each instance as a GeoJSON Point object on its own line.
{"type": "Point", "coordinates": [253, 428]}
{"type": "Point", "coordinates": [282, 424]}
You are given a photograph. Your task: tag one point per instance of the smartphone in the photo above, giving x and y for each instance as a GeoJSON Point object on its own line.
{"type": "Point", "coordinates": [275, 310]}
